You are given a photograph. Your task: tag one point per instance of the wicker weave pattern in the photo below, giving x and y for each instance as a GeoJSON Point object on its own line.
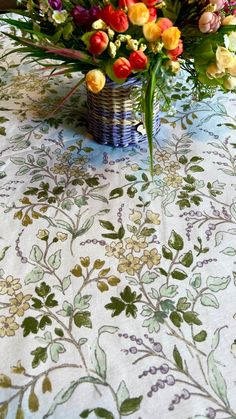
{"type": "Point", "coordinates": [111, 116]}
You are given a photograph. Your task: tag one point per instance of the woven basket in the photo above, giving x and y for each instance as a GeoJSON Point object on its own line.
{"type": "Point", "coordinates": [114, 114]}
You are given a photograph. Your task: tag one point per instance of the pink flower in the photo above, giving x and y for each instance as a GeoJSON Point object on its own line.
{"type": "Point", "coordinates": [209, 22]}
{"type": "Point", "coordinates": [218, 3]}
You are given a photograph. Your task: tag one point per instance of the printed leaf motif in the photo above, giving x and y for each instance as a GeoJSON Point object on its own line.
{"type": "Point", "coordinates": [209, 300]}
{"type": "Point", "coordinates": [62, 397]}
{"type": "Point", "coordinates": [149, 277]}
{"type": "Point", "coordinates": [36, 254]}
{"type": "Point", "coordinates": [55, 260]}
{"type": "Point", "coordinates": [216, 284]}
{"type": "Point", "coordinates": [122, 393]}
{"type": "Point", "coordinates": [229, 251]}
{"type": "Point", "coordinates": [130, 406]}
{"type": "Point", "coordinates": [196, 280]}
{"type": "Point", "coordinates": [187, 259]}
{"type": "Point", "coordinates": [178, 274]}
{"type": "Point", "coordinates": [3, 252]}
{"type": "Point", "coordinates": [200, 337]}
{"type": "Point", "coordinates": [167, 253]}
{"type": "Point", "coordinates": [40, 355]}
{"type": "Point", "coordinates": [35, 275]}
{"type": "Point", "coordinates": [178, 359]}
{"type": "Point", "coordinates": [170, 291]}
{"type": "Point", "coordinates": [83, 319]}
{"type": "Point", "coordinates": [216, 379]}
{"type": "Point", "coordinates": [108, 329]}
{"type": "Point", "coordinates": [100, 361]}
{"type": "Point", "coordinates": [81, 303]}
{"type": "Point", "coordinates": [175, 241]}
{"type": "Point", "coordinates": [56, 349]}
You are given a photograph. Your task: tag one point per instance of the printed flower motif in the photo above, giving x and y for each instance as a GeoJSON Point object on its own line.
{"type": "Point", "coordinates": [129, 264]}
{"type": "Point", "coordinates": [162, 156]}
{"type": "Point", "coordinates": [173, 180]}
{"type": "Point", "coordinates": [115, 249]}
{"type": "Point", "coordinates": [153, 217]}
{"type": "Point", "coordinates": [61, 236]}
{"type": "Point", "coordinates": [60, 169]}
{"type": "Point", "coordinates": [171, 167]}
{"type": "Point", "coordinates": [135, 217]}
{"type": "Point", "coordinates": [8, 326]}
{"type": "Point", "coordinates": [157, 169]}
{"type": "Point", "coordinates": [9, 285]}
{"type": "Point", "coordinates": [43, 234]}
{"type": "Point", "coordinates": [19, 304]}
{"type": "Point", "coordinates": [151, 258]}
{"type": "Point", "coordinates": [134, 167]}
{"type": "Point", "coordinates": [136, 243]}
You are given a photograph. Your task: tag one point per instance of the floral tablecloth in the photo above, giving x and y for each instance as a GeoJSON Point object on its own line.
{"type": "Point", "coordinates": [117, 291]}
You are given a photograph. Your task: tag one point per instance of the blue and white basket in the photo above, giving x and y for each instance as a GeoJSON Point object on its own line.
{"type": "Point", "coordinates": [114, 115]}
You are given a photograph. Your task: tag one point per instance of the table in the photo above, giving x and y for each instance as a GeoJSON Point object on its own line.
{"type": "Point", "coordinates": [117, 291]}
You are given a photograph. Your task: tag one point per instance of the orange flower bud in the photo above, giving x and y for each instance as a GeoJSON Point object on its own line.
{"type": "Point", "coordinates": [151, 31]}
{"type": "Point", "coordinates": [170, 37]}
{"type": "Point", "coordinates": [138, 14]}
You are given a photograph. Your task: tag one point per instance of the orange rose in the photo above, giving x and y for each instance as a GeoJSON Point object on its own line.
{"type": "Point", "coordinates": [122, 68]}
{"type": "Point", "coordinates": [151, 31]}
{"type": "Point", "coordinates": [170, 37]}
{"type": "Point", "coordinates": [164, 23]}
{"type": "Point", "coordinates": [95, 80]}
{"type": "Point", "coordinates": [138, 14]}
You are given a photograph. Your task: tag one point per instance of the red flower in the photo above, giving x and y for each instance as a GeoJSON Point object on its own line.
{"type": "Point", "coordinates": [122, 68]}
{"type": "Point", "coordinates": [105, 13]}
{"type": "Point", "coordinates": [119, 21]}
{"type": "Point", "coordinates": [150, 3]}
{"type": "Point", "coordinates": [174, 53]}
{"type": "Point", "coordinates": [122, 4]}
{"type": "Point", "coordinates": [98, 42]}
{"type": "Point", "coordinates": [138, 60]}
{"type": "Point", "coordinates": [152, 14]}
{"type": "Point", "coordinates": [164, 23]}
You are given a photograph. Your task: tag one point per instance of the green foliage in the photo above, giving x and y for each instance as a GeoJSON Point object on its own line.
{"type": "Point", "coordinates": [125, 303]}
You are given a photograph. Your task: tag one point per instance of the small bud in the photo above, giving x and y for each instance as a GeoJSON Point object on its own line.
{"type": "Point", "coordinates": [46, 385]}
{"type": "Point", "coordinates": [20, 413]}
{"type": "Point", "coordinates": [132, 44]}
{"type": "Point", "coordinates": [99, 24]}
{"type": "Point", "coordinates": [4, 410]}
{"type": "Point", "coordinates": [117, 43]}
{"type": "Point", "coordinates": [110, 33]}
{"type": "Point", "coordinates": [142, 47]}
{"type": "Point", "coordinates": [5, 381]}
{"type": "Point", "coordinates": [112, 49]}
{"type": "Point", "coordinates": [33, 402]}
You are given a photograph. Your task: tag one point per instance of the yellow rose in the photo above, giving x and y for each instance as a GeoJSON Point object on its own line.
{"type": "Point", "coordinates": [151, 31]}
{"type": "Point", "coordinates": [229, 20]}
{"type": "Point", "coordinates": [223, 58]}
{"type": "Point", "coordinates": [170, 37]}
{"type": "Point", "coordinates": [230, 83]}
{"type": "Point", "coordinates": [138, 14]}
{"type": "Point", "coordinates": [173, 66]}
{"type": "Point", "coordinates": [214, 72]}
{"type": "Point", "coordinates": [95, 80]}
{"type": "Point", "coordinates": [232, 67]}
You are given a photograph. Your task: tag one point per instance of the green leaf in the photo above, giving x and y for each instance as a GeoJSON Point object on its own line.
{"type": "Point", "coordinates": [100, 361]}
{"type": "Point", "coordinates": [183, 160]}
{"type": "Point", "coordinates": [167, 305]}
{"type": "Point", "coordinates": [178, 274]}
{"type": "Point", "coordinates": [83, 319]}
{"type": "Point", "coordinates": [2, 131]}
{"type": "Point", "coordinates": [35, 275]}
{"type": "Point", "coordinates": [167, 253]}
{"type": "Point", "coordinates": [36, 254]}
{"type": "Point", "coordinates": [175, 241]}
{"type": "Point", "coordinates": [37, 303]}
{"type": "Point", "coordinates": [152, 324]}
{"type": "Point", "coordinates": [81, 303]}
{"type": "Point", "coordinates": [216, 379]}
{"type": "Point", "coordinates": [183, 304]}
{"type": "Point", "coordinates": [229, 251]}
{"type": "Point", "coordinates": [107, 225]}
{"type": "Point", "coordinates": [40, 355]}
{"type": "Point", "coordinates": [77, 271]}
{"type": "Point", "coordinates": [187, 259]}
{"type": "Point", "coordinates": [216, 284]}
{"type": "Point", "coordinates": [177, 358]}
{"type": "Point", "coordinates": [50, 302]}
{"type": "Point", "coordinates": [59, 332]}
{"type": "Point", "coordinates": [209, 300]}
{"type": "Point", "coordinates": [92, 181]}
{"type": "Point", "coordinates": [128, 296]}
{"type": "Point", "coordinates": [67, 309]}
{"type": "Point", "coordinates": [55, 260]}
{"type": "Point", "coordinates": [162, 271]}
{"type": "Point", "coordinates": [116, 305]}
{"type": "Point", "coordinates": [62, 397]}
{"type": "Point", "coordinates": [3, 252]}
{"type": "Point", "coordinates": [148, 277]}
{"type": "Point", "coordinates": [196, 280]}
{"type": "Point", "coordinates": [196, 168]}
{"type": "Point", "coordinates": [200, 337]}
{"type": "Point", "coordinates": [170, 291]}
{"type": "Point", "coordinates": [103, 413]}
{"type": "Point", "coordinates": [176, 318]}
{"type": "Point", "coordinates": [30, 325]}
{"type": "Point", "coordinates": [130, 406]}
{"type": "Point", "coordinates": [130, 178]}
{"type": "Point", "coordinates": [191, 317]}
{"type": "Point", "coordinates": [116, 193]}
{"type": "Point", "coordinates": [121, 233]}
{"type": "Point", "coordinates": [147, 232]}
{"type": "Point", "coordinates": [122, 393]}
{"type": "Point", "coordinates": [56, 348]}
{"type": "Point", "coordinates": [43, 290]}
{"type": "Point", "coordinates": [66, 282]}
{"type": "Point", "coordinates": [44, 321]}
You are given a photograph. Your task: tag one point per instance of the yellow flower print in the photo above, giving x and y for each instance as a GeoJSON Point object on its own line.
{"type": "Point", "coordinates": [19, 304]}
{"type": "Point", "coordinates": [134, 167]}
{"type": "Point", "coordinates": [162, 156]}
{"type": "Point", "coordinates": [61, 236]}
{"type": "Point", "coordinates": [171, 167]}
{"type": "Point", "coordinates": [153, 217]}
{"type": "Point", "coordinates": [129, 264]}
{"type": "Point", "coordinates": [151, 258]}
{"type": "Point", "coordinates": [76, 171]}
{"type": "Point", "coordinates": [135, 217]}
{"type": "Point", "coordinates": [9, 285]}
{"type": "Point", "coordinates": [157, 169]}
{"type": "Point", "coordinates": [173, 180]}
{"type": "Point", "coordinates": [43, 234]}
{"type": "Point", "coordinates": [8, 326]}
{"type": "Point", "coordinates": [115, 249]}
{"type": "Point", "coordinates": [60, 169]}
{"type": "Point", "coordinates": [136, 243]}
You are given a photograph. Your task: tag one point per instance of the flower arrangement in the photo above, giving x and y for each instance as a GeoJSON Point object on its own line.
{"type": "Point", "coordinates": [118, 39]}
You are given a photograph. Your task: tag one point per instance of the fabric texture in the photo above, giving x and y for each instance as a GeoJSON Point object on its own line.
{"type": "Point", "coordinates": [117, 290]}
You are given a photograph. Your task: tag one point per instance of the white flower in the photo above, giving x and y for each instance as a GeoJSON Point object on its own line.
{"type": "Point", "coordinates": [232, 41]}
{"type": "Point", "coordinates": [99, 24]}
{"type": "Point", "coordinates": [59, 17]}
